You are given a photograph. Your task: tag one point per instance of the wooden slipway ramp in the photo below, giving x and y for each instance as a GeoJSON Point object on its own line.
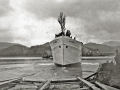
{"type": "Point", "coordinates": [52, 77]}
{"type": "Point", "coordinates": [70, 84]}
{"type": "Point", "coordinates": [53, 72]}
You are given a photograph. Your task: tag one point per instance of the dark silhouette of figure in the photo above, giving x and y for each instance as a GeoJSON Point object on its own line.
{"type": "Point", "coordinates": [60, 34]}
{"type": "Point", "coordinates": [68, 33]}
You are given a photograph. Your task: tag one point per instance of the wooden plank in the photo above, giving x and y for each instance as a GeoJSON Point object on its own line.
{"type": "Point", "coordinates": [10, 81]}
{"type": "Point", "coordinates": [91, 75]}
{"type": "Point", "coordinates": [64, 80]}
{"type": "Point", "coordinates": [105, 87]}
{"type": "Point", "coordinates": [45, 85]}
{"type": "Point", "coordinates": [89, 84]}
{"type": "Point", "coordinates": [32, 80]}
{"type": "Point", "coordinates": [52, 81]}
{"type": "Point", "coordinates": [7, 83]}
{"type": "Point", "coordinates": [14, 79]}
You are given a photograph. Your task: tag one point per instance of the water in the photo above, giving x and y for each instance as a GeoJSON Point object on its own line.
{"type": "Point", "coordinates": [12, 67]}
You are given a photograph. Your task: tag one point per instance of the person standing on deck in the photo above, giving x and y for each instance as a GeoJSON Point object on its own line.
{"type": "Point", "coordinates": [68, 33]}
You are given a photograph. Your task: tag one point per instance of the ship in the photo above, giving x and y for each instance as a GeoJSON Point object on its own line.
{"type": "Point", "coordinates": [65, 50]}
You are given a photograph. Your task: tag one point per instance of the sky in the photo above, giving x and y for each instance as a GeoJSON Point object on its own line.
{"type": "Point", "coordinates": [34, 22]}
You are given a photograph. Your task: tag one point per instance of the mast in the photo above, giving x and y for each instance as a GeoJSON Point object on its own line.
{"type": "Point", "coordinates": [61, 20]}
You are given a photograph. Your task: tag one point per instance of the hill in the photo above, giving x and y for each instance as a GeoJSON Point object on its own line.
{"type": "Point", "coordinates": [112, 43]}
{"type": "Point", "coordinates": [89, 49]}
{"type": "Point", "coordinates": [15, 50]}
{"type": "Point", "coordinates": [4, 45]}
{"type": "Point", "coordinates": [102, 48]}
{"type": "Point", "coordinates": [21, 50]}
{"type": "Point", "coordinates": [38, 50]}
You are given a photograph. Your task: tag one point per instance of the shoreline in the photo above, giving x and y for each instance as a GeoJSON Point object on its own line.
{"type": "Point", "coordinates": [83, 58]}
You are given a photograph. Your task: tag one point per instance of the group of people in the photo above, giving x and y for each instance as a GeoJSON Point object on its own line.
{"type": "Point", "coordinates": [68, 33]}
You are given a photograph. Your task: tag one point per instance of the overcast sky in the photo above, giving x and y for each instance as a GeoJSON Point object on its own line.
{"type": "Point", "coordinates": [34, 22]}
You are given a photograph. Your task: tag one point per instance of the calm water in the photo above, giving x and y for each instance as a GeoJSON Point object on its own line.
{"type": "Point", "coordinates": [12, 64]}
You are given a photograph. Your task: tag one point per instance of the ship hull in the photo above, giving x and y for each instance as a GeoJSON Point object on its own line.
{"type": "Point", "coordinates": [66, 50]}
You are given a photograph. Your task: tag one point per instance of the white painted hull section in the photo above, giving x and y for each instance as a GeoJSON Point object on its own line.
{"type": "Point", "coordinates": [66, 50]}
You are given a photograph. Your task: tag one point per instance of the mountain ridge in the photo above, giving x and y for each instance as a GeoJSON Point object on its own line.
{"type": "Point", "coordinates": [101, 47]}
{"type": "Point", "coordinates": [4, 45]}
{"type": "Point", "coordinates": [89, 49]}
{"type": "Point", "coordinates": [112, 43]}
{"type": "Point", "coordinates": [21, 50]}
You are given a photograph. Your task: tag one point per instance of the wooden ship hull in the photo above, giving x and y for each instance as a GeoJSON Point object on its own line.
{"type": "Point", "coordinates": [66, 51]}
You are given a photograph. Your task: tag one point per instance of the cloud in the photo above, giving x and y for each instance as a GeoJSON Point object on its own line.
{"type": "Point", "coordinates": [76, 8]}
{"type": "Point", "coordinates": [5, 35]}
{"type": "Point", "coordinates": [106, 27]}
{"type": "Point", "coordinates": [5, 29]}
{"type": "Point", "coordinates": [33, 22]}
{"type": "Point", "coordinates": [4, 7]}
{"type": "Point", "coordinates": [96, 20]}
